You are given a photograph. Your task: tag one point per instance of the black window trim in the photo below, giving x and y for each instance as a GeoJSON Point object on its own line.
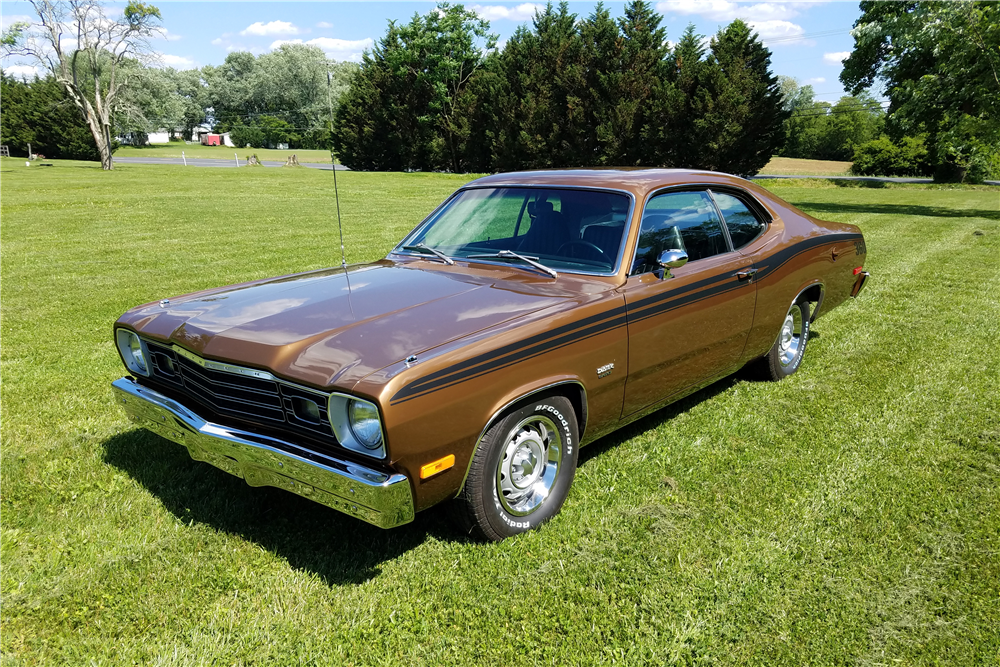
{"type": "Point", "coordinates": [752, 205]}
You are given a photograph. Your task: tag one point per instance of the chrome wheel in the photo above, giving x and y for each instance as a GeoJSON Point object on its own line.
{"type": "Point", "coordinates": [790, 340]}
{"type": "Point", "coordinates": [529, 465]}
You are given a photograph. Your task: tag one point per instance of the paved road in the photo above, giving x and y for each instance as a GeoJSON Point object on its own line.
{"type": "Point", "coordinates": [868, 179]}
{"type": "Point", "coordinates": [212, 162]}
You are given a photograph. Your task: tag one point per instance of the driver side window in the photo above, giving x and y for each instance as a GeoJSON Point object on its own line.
{"type": "Point", "coordinates": [678, 221]}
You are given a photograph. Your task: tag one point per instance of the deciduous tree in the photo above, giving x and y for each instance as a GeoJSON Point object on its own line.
{"type": "Point", "coordinates": [939, 63]}
{"type": "Point", "coordinates": [87, 50]}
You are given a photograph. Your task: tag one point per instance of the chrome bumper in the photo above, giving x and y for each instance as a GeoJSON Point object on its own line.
{"type": "Point", "coordinates": [859, 283]}
{"type": "Point", "coordinates": [379, 498]}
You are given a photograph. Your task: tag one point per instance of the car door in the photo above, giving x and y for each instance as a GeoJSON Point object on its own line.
{"type": "Point", "coordinates": [690, 324]}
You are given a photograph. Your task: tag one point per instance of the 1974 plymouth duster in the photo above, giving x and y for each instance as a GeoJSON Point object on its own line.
{"type": "Point", "coordinates": [527, 316]}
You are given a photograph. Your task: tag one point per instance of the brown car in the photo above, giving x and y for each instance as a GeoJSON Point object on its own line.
{"type": "Point", "coordinates": [528, 315]}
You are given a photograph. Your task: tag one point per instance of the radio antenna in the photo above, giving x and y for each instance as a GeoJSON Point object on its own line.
{"type": "Point", "coordinates": [336, 193]}
{"type": "Point", "coordinates": [333, 165]}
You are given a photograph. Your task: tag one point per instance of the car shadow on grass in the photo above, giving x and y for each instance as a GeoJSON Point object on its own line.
{"type": "Point", "coordinates": [310, 536]}
{"type": "Point", "coordinates": [663, 415]}
{"type": "Point", "coordinates": [336, 547]}
{"type": "Point", "coordinates": [902, 209]}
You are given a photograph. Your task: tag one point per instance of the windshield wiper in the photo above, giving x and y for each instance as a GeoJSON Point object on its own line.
{"type": "Point", "coordinates": [420, 247]}
{"type": "Point", "coordinates": [510, 254]}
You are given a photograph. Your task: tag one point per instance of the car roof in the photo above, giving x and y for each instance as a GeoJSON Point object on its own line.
{"type": "Point", "coordinates": [639, 181]}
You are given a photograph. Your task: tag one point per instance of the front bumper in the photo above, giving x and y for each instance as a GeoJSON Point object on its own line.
{"type": "Point", "coordinates": [379, 498]}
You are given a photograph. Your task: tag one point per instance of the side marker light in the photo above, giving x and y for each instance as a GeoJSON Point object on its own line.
{"type": "Point", "coordinates": [858, 270]}
{"type": "Point", "coordinates": [435, 467]}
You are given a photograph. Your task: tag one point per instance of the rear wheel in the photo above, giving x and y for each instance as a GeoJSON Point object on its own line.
{"type": "Point", "coordinates": [522, 471]}
{"type": "Point", "coordinates": [785, 356]}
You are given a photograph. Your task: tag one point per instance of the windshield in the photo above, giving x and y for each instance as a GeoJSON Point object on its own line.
{"type": "Point", "coordinates": [565, 229]}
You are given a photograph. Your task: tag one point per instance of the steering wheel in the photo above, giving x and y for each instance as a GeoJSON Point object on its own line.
{"type": "Point", "coordinates": [586, 244]}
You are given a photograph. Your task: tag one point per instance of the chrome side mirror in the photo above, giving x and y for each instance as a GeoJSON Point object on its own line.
{"type": "Point", "coordinates": [671, 259]}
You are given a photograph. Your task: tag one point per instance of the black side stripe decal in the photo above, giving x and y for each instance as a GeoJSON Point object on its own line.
{"type": "Point", "coordinates": [491, 360]}
{"type": "Point", "coordinates": [594, 325]}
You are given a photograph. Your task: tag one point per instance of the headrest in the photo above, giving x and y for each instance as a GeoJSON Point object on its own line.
{"type": "Point", "coordinates": [537, 208]}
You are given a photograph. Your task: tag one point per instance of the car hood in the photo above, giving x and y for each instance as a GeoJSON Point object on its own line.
{"type": "Point", "coordinates": [329, 327]}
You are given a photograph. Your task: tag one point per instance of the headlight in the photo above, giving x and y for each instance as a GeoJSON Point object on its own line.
{"type": "Point", "coordinates": [133, 351]}
{"type": "Point", "coordinates": [356, 424]}
{"type": "Point", "coordinates": [365, 423]}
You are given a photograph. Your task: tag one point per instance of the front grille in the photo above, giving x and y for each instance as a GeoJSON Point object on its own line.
{"type": "Point", "coordinates": [264, 400]}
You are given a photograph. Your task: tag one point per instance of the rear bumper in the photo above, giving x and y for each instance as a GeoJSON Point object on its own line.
{"type": "Point", "coordinates": [381, 499]}
{"type": "Point", "coordinates": [859, 283]}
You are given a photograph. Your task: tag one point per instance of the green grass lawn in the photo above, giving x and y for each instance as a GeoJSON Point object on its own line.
{"type": "Point", "coordinates": [174, 149]}
{"type": "Point", "coordinates": [848, 515]}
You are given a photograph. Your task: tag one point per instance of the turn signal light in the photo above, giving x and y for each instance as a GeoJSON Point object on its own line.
{"type": "Point", "coordinates": [435, 467]}
{"type": "Point", "coordinates": [859, 270]}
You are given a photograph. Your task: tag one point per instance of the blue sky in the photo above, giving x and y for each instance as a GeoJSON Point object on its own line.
{"type": "Point", "coordinates": [807, 39]}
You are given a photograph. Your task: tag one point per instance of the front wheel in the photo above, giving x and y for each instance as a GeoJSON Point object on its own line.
{"type": "Point", "coordinates": [522, 471]}
{"type": "Point", "coordinates": [785, 356]}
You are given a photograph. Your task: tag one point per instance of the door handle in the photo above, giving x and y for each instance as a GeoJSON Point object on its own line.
{"type": "Point", "coordinates": [746, 274]}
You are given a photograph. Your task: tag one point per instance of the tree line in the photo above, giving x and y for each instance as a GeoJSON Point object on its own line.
{"type": "Point", "coordinates": [435, 94]}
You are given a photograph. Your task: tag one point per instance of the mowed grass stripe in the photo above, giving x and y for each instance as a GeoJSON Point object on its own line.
{"type": "Point", "coordinates": [823, 484]}
{"type": "Point", "coordinates": [848, 514]}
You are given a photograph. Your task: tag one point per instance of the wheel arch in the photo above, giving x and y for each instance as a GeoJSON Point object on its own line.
{"type": "Point", "coordinates": [572, 389]}
{"type": "Point", "coordinates": [812, 293]}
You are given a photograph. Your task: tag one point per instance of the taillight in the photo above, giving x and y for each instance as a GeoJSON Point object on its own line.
{"type": "Point", "coordinates": [859, 270]}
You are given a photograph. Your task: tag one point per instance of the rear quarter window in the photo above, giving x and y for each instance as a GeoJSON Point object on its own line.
{"type": "Point", "coordinates": [743, 224]}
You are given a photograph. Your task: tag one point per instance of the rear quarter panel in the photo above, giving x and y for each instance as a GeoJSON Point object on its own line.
{"type": "Point", "coordinates": [796, 252]}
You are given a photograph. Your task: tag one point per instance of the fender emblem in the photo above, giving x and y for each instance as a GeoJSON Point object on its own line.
{"type": "Point", "coordinates": [605, 370]}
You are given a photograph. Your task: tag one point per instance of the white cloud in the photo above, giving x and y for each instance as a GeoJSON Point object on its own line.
{"type": "Point", "coordinates": [816, 79]}
{"type": "Point", "coordinates": [9, 20]}
{"type": "Point", "coordinates": [836, 58]}
{"type": "Point", "coordinates": [177, 62]}
{"type": "Point", "coordinates": [338, 49]}
{"type": "Point", "coordinates": [779, 31]}
{"type": "Point", "coordinates": [22, 71]}
{"type": "Point", "coordinates": [163, 33]}
{"type": "Point", "coordinates": [768, 19]}
{"type": "Point", "coordinates": [523, 12]}
{"type": "Point", "coordinates": [218, 41]}
{"type": "Point", "coordinates": [324, 24]}
{"type": "Point", "coordinates": [273, 28]}
{"type": "Point", "coordinates": [724, 10]}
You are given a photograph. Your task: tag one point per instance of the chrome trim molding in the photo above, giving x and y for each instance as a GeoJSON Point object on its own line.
{"type": "Point", "coordinates": [220, 366]}
{"type": "Point", "coordinates": [379, 498]}
{"type": "Point", "coordinates": [859, 284]}
{"type": "Point", "coordinates": [499, 412]}
{"type": "Point", "coordinates": [794, 301]}
{"type": "Point", "coordinates": [340, 422]}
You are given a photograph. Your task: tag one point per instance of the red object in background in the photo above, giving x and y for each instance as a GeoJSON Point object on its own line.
{"type": "Point", "coordinates": [211, 140]}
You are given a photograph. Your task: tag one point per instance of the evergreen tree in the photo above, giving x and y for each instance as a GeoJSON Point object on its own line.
{"type": "Point", "coordinates": [742, 117]}
{"type": "Point", "coordinates": [672, 133]}
{"type": "Point", "coordinates": [602, 53]}
{"type": "Point", "coordinates": [542, 119]}
{"type": "Point", "coordinates": [408, 106]}
{"type": "Point", "coordinates": [41, 114]}
{"type": "Point", "coordinates": [643, 67]}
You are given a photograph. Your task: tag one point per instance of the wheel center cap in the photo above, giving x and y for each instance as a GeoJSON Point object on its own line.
{"type": "Point", "coordinates": [525, 464]}
{"type": "Point", "coordinates": [786, 334]}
